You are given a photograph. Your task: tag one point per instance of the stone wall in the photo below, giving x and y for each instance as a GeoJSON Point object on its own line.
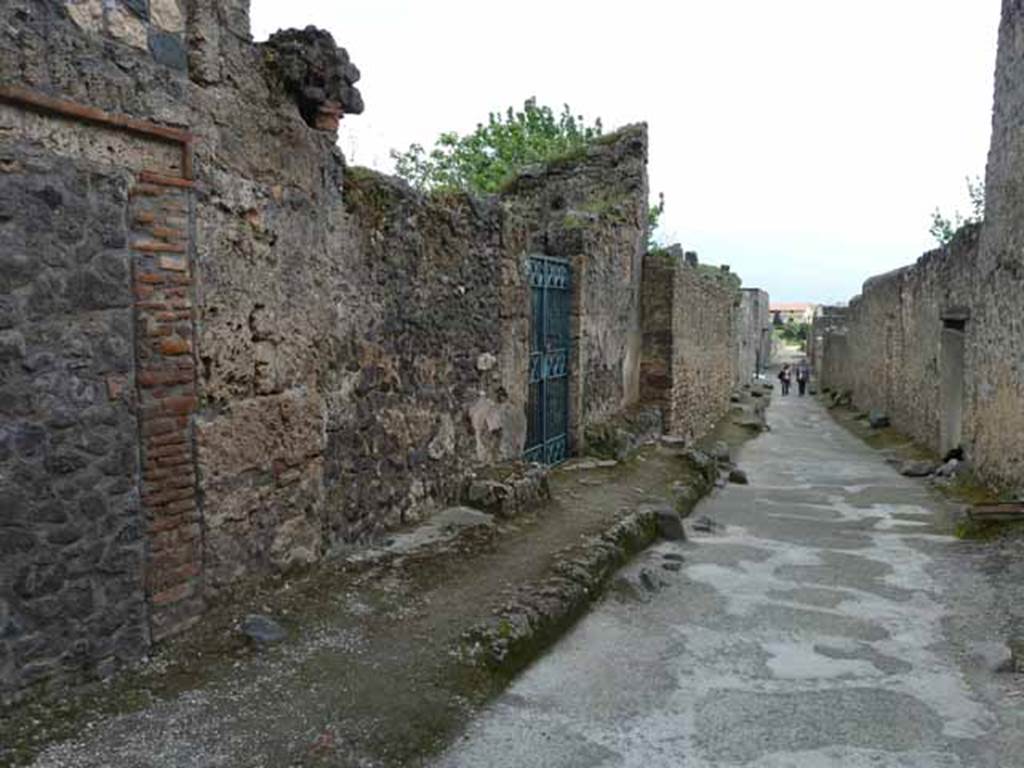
{"type": "Point", "coordinates": [940, 345]}
{"type": "Point", "coordinates": [71, 527]}
{"type": "Point", "coordinates": [828, 320]}
{"type": "Point", "coordinates": [84, 545]}
{"type": "Point", "coordinates": [276, 307]}
{"type": "Point", "coordinates": [223, 352]}
{"type": "Point", "coordinates": [910, 335]}
{"type": "Point", "coordinates": [430, 368]}
{"type": "Point", "coordinates": [996, 345]}
{"type": "Point", "coordinates": [833, 369]}
{"type": "Point", "coordinates": [100, 88]}
{"type": "Point", "coordinates": [125, 57]}
{"type": "Point", "coordinates": [704, 351]}
{"type": "Point", "coordinates": [753, 334]}
{"type": "Point", "coordinates": [690, 342]}
{"type": "Point", "coordinates": [592, 210]}
{"type": "Point", "coordinates": [658, 302]}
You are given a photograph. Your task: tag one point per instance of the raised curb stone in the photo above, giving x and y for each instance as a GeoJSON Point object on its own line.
{"type": "Point", "coordinates": [670, 525]}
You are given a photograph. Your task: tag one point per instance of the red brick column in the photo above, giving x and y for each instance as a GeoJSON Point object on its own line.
{"type": "Point", "coordinates": [165, 376]}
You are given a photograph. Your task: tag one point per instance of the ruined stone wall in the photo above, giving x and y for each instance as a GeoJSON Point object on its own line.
{"type": "Point", "coordinates": [385, 350]}
{"type": "Point", "coordinates": [71, 533]}
{"type": "Point", "coordinates": [939, 288]}
{"type": "Point", "coordinates": [430, 370]}
{"type": "Point", "coordinates": [833, 369]}
{"type": "Point", "coordinates": [125, 57]}
{"type": "Point", "coordinates": [658, 309]}
{"type": "Point", "coordinates": [828, 320]}
{"type": "Point", "coordinates": [592, 210]}
{"type": "Point", "coordinates": [887, 350]}
{"type": "Point", "coordinates": [258, 355]}
{"type": "Point", "coordinates": [431, 376]}
{"type": "Point", "coordinates": [893, 356]}
{"type": "Point", "coordinates": [703, 351]}
{"type": "Point", "coordinates": [753, 334]}
{"type": "Point", "coordinates": [270, 277]}
{"type": "Point", "coordinates": [690, 333]}
{"type": "Point", "coordinates": [103, 87]}
{"type": "Point", "coordinates": [996, 328]}
{"type": "Point", "coordinates": [85, 521]}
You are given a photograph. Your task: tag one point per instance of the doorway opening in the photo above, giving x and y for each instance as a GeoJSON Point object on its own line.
{"type": "Point", "coordinates": [547, 440]}
{"type": "Point", "coordinates": [951, 384]}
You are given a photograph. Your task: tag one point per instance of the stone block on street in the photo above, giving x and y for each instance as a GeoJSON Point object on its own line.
{"type": "Point", "coordinates": [670, 525]}
{"type": "Point", "coordinates": [917, 468]}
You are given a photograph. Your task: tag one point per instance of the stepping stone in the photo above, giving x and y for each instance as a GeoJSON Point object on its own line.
{"type": "Point", "coordinates": [739, 477]}
{"type": "Point", "coordinates": [648, 581]}
{"type": "Point", "coordinates": [263, 630]}
{"type": "Point", "coordinates": [705, 524]}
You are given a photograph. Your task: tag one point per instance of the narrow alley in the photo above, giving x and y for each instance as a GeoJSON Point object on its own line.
{"type": "Point", "coordinates": [423, 440]}
{"type": "Point", "coordinates": [822, 616]}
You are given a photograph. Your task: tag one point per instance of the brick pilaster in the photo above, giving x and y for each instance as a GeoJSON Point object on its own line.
{"type": "Point", "coordinates": [165, 376]}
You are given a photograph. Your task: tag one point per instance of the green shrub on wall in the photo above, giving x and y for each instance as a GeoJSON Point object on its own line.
{"type": "Point", "coordinates": [943, 229]}
{"type": "Point", "coordinates": [482, 161]}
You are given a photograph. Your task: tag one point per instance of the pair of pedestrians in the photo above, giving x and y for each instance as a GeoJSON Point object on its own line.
{"type": "Point", "coordinates": [803, 375]}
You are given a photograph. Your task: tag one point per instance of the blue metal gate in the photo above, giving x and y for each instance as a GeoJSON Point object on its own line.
{"type": "Point", "coordinates": [548, 408]}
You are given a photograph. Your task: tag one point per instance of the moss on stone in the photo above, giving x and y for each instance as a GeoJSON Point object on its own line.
{"type": "Point", "coordinates": [987, 530]}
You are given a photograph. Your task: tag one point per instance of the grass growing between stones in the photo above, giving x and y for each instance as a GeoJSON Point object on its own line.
{"type": "Point", "coordinates": [967, 488]}
{"type": "Point", "coordinates": [989, 530]}
{"type": "Point", "coordinates": [888, 440]}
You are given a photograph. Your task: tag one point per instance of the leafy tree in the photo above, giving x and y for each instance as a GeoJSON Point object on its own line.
{"type": "Point", "coordinates": [794, 332]}
{"type": "Point", "coordinates": [943, 229]}
{"type": "Point", "coordinates": [653, 216]}
{"type": "Point", "coordinates": [498, 149]}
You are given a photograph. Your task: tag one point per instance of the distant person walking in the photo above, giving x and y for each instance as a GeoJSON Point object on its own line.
{"type": "Point", "coordinates": [803, 376]}
{"type": "Point", "coordinates": [786, 377]}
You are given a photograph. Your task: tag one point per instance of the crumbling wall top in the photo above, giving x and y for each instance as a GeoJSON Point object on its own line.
{"type": "Point", "coordinates": [316, 73]}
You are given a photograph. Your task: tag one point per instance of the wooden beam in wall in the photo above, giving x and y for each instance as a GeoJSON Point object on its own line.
{"type": "Point", "coordinates": [40, 102]}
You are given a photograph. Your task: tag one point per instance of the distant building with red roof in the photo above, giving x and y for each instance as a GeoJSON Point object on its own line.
{"type": "Point", "coordinates": [798, 311]}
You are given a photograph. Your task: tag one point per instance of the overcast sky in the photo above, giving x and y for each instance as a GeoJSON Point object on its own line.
{"type": "Point", "coordinates": [802, 142]}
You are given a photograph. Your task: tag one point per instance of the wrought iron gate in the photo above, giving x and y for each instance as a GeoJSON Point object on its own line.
{"type": "Point", "coordinates": [548, 408]}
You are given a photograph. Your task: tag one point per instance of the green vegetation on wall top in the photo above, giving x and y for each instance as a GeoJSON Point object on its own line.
{"type": "Point", "coordinates": [943, 229]}
{"type": "Point", "coordinates": [485, 160]}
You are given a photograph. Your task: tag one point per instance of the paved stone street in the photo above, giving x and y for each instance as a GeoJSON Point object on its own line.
{"type": "Point", "coordinates": [826, 618]}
